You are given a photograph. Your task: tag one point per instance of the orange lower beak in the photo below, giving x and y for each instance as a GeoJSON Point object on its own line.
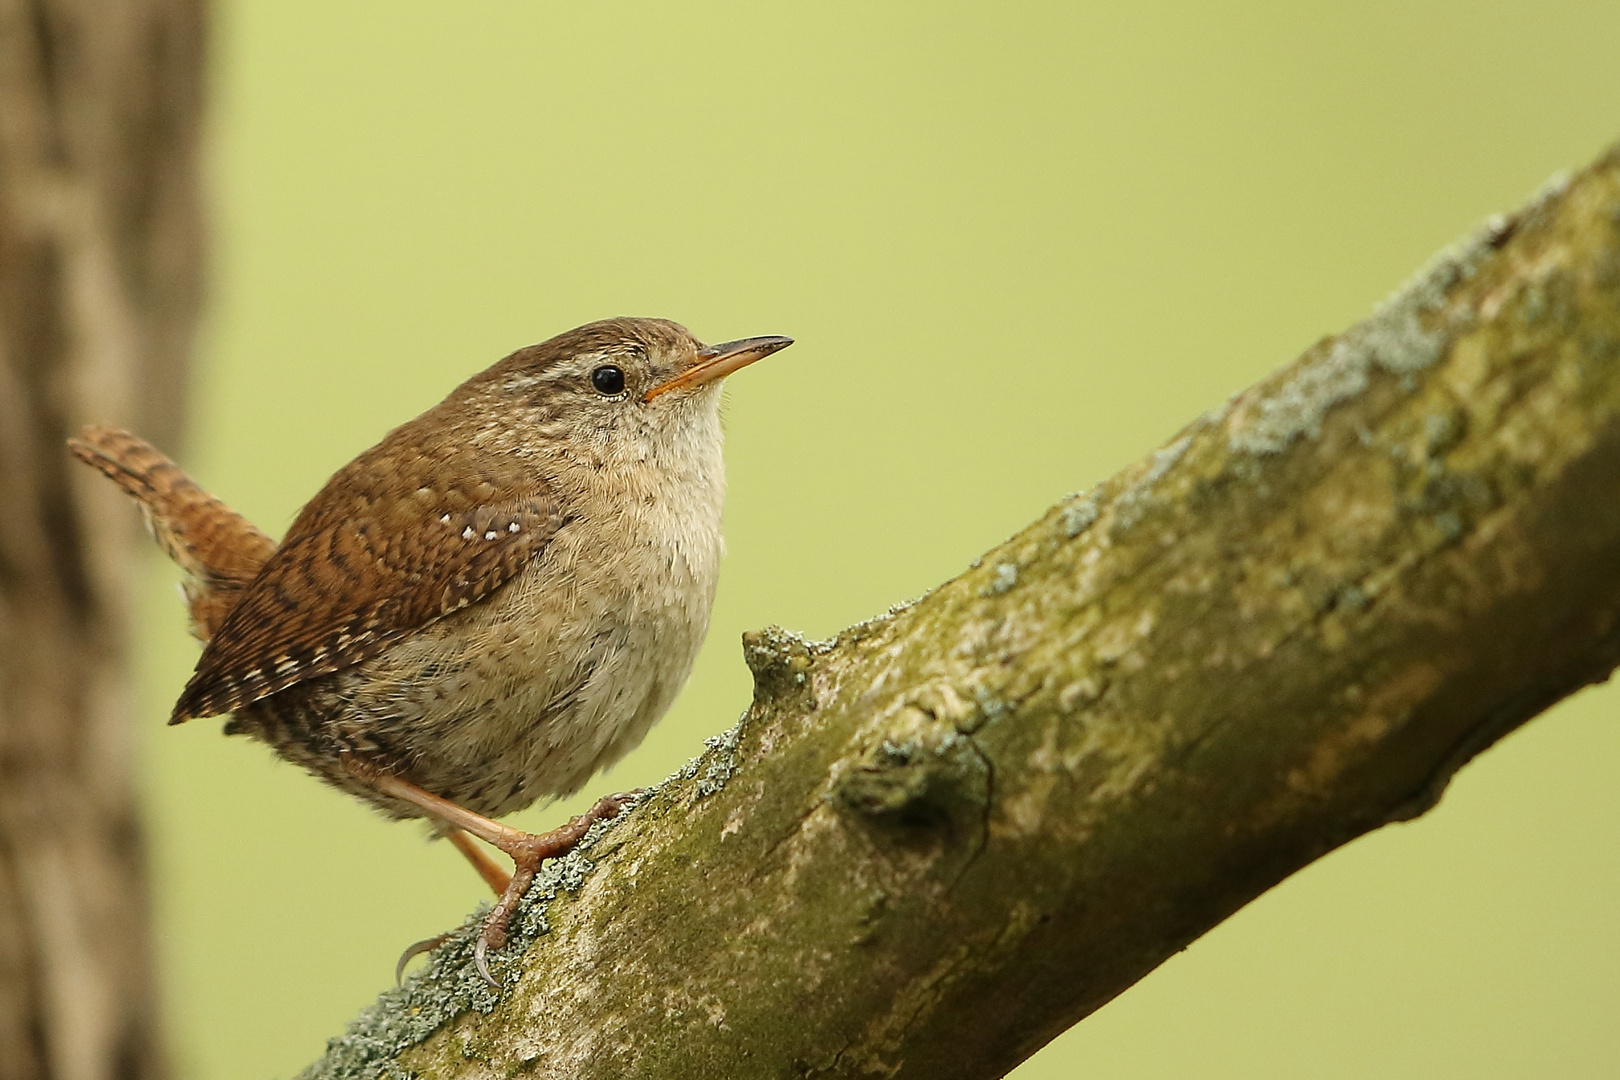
{"type": "Point", "coordinates": [718, 361]}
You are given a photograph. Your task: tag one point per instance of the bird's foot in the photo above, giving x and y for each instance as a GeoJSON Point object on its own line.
{"type": "Point", "coordinates": [411, 952]}
{"type": "Point", "coordinates": [528, 851]}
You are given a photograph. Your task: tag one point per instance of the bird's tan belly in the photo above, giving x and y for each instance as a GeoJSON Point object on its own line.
{"type": "Point", "coordinates": [520, 698]}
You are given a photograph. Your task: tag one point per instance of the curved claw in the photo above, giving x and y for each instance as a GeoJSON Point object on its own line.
{"type": "Point", "coordinates": [411, 952]}
{"type": "Point", "coordinates": [481, 962]}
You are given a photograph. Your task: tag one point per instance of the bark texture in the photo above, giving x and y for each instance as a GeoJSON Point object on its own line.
{"type": "Point", "coordinates": [100, 268]}
{"type": "Point", "coordinates": [940, 839]}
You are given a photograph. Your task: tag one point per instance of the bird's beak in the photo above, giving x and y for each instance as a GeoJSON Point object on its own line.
{"type": "Point", "coordinates": [718, 361]}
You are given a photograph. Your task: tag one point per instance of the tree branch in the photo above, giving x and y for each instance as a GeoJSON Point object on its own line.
{"type": "Point", "coordinates": [939, 840]}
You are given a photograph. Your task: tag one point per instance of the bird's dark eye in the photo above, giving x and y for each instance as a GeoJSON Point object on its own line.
{"type": "Point", "coordinates": [608, 380]}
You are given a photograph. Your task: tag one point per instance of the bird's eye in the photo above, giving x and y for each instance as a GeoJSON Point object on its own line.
{"type": "Point", "coordinates": [608, 380]}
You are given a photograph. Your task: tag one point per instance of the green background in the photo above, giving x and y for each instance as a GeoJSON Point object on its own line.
{"type": "Point", "coordinates": [1018, 245]}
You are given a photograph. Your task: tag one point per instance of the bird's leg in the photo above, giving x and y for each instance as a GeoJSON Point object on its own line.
{"type": "Point", "coordinates": [527, 850]}
{"type": "Point", "coordinates": [487, 868]}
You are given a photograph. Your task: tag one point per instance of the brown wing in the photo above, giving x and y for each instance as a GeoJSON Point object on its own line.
{"type": "Point", "coordinates": [373, 558]}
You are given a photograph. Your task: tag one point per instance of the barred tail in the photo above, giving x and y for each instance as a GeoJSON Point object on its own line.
{"type": "Point", "coordinates": [219, 550]}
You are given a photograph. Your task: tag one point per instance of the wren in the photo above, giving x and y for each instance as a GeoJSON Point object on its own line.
{"type": "Point", "coordinates": [488, 607]}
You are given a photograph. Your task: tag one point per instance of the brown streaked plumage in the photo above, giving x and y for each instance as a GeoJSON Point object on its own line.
{"type": "Point", "coordinates": [362, 568]}
{"type": "Point", "coordinates": [490, 605]}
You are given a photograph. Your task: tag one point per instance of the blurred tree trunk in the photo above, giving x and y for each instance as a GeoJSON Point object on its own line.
{"type": "Point", "coordinates": [100, 270]}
